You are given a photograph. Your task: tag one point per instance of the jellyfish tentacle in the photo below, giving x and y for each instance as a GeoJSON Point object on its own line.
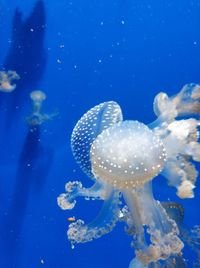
{"type": "Point", "coordinates": [181, 174]}
{"type": "Point", "coordinates": [131, 228]}
{"type": "Point", "coordinates": [135, 263]}
{"type": "Point", "coordinates": [135, 222]}
{"type": "Point", "coordinates": [163, 231]}
{"type": "Point", "coordinates": [174, 261]}
{"type": "Point", "coordinates": [174, 210]}
{"type": "Point", "coordinates": [79, 232]}
{"type": "Point", "coordinates": [75, 189]}
{"type": "Point", "coordinates": [190, 236]}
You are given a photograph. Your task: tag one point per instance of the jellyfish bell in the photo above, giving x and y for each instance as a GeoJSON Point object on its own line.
{"type": "Point", "coordinates": [90, 125]}
{"type": "Point", "coordinates": [127, 155]}
{"type": "Point", "coordinates": [37, 96]}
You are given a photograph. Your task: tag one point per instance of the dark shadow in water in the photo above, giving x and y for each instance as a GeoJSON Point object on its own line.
{"type": "Point", "coordinates": [27, 56]}
{"type": "Point", "coordinates": [33, 167]}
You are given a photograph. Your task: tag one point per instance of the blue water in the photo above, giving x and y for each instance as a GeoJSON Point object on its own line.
{"type": "Point", "coordinates": [92, 51]}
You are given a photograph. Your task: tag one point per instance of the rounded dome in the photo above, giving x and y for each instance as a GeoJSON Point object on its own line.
{"type": "Point", "coordinates": [38, 95]}
{"type": "Point", "coordinates": [127, 154]}
{"type": "Point", "coordinates": [87, 129]}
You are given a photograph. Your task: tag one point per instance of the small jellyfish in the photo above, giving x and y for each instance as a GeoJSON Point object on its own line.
{"type": "Point", "coordinates": [6, 81]}
{"type": "Point", "coordinates": [122, 158]}
{"type": "Point", "coordinates": [37, 117]}
{"type": "Point", "coordinates": [37, 97]}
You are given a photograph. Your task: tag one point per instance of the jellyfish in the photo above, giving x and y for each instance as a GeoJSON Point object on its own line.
{"type": "Point", "coordinates": [37, 117]}
{"type": "Point", "coordinates": [190, 236]}
{"type": "Point", "coordinates": [180, 136]}
{"type": "Point", "coordinates": [175, 261]}
{"type": "Point", "coordinates": [6, 81]}
{"type": "Point", "coordinates": [122, 157]}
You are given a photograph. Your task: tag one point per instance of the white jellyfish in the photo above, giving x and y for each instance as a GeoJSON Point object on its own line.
{"type": "Point", "coordinates": [122, 158]}
{"type": "Point", "coordinates": [180, 136]}
{"type": "Point", "coordinates": [128, 156]}
{"type": "Point", "coordinates": [37, 96]}
{"type": "Point", "coordinates": [85, 132]}
{"type": "Point", "coordinates": [6, 81]}
{"type": "Point", "coordinates": [37, 117]}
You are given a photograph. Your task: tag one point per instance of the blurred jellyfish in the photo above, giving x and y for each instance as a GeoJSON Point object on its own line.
{"type": "Point", "coordinates": [37, 117]}
{"type": "Point", "coordinates": [175, 261]}
{"type": "Point", "coordinates": [85, 132]}
{"type": "Point", "coordinates": [6, 81]}
{"type": "Point", "coordinates": [27, 54]}
{"type": "Point", "coordinates": [122, 158]}
{"type": "Point", "coordinates": [135, 263]}
{"type": "Point", "coordinates": [128, 156]}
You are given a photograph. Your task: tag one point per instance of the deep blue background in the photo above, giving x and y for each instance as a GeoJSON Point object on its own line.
{"type": "Point", "coordinates": [123, 50]}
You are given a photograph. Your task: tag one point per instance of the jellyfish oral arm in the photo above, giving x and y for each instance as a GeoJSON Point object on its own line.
{"type": "Point", "coordinates": [79, 232]}
{"type": "Point", "coordinates": [163, 231]}
{"type": "Point", "coordinates": [75, 189]}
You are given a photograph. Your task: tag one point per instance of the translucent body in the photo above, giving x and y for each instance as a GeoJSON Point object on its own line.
{"type": "Point", "coordinates": [179, 136]}
{"type": "Point", "coordinates": [6, 81]}
{"type": "Point", "coordinates": [186, 102]}
{"type": "Point", "coordinates": [38, 96]}
{"type": "Point", "coordinates": [135, 263]}
{"type": "Point", "coordinates": [190, 236]}
{"type": "Point", "coordinates": [37, 117]}
{"type": "Point", "coordinates": [122, 158]}
{"type": "Point", "coordinates": [85, 132]}
{"type": "Point", "coordinates": [127, 155]}
{"type": "Point", "coordinates": [89, 127]}
{"type": "Point", "coordinates": [175, 261]}
{"type": "Point", "coordinates": [144, 211]}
